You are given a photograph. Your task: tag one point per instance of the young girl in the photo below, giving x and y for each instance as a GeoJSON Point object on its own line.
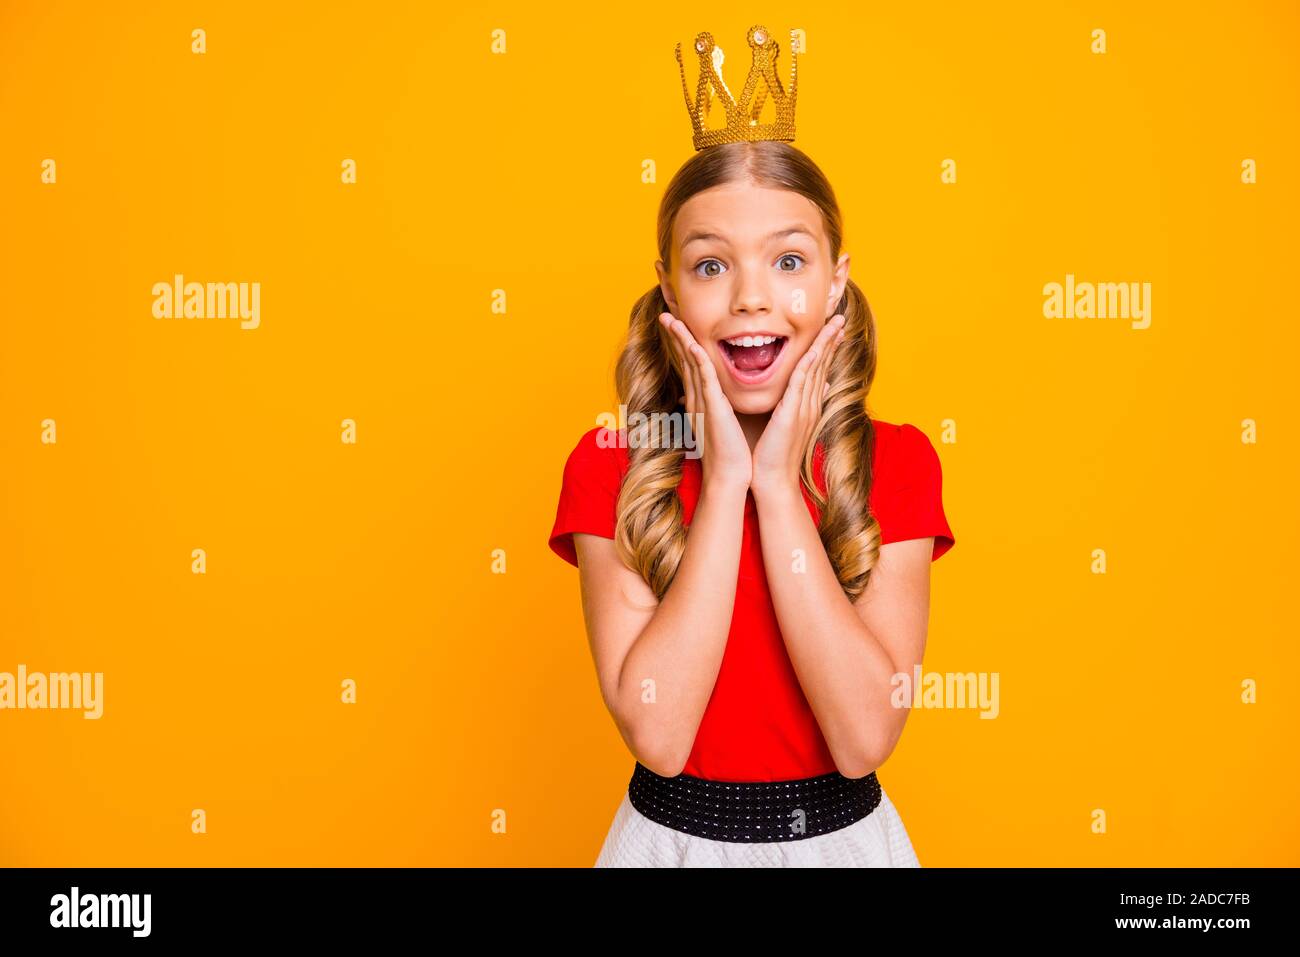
{"type": "Point", "coordinates": [748, 606]}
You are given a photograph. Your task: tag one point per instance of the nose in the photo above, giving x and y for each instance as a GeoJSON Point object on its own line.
{"type": "Point", "coordinates": [751, 295]}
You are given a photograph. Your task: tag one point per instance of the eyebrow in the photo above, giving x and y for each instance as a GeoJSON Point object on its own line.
{"type": "Point", "coordinates": [700, 234]}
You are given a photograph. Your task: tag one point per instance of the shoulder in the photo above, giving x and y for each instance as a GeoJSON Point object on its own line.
{"type": "Point", "coordinates": [589, 490]}
{"type": "Point", "coordinates": [599, 453]}
{"type": "Point", "coordinates": [903, 456]}
{"type": "Point", "coordinates": [602, 443]}
{"type": "Point", "coordinates": [907, 487]}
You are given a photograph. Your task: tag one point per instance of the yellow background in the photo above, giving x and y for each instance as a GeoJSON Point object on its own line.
{"type": "Point", "coordinates": [522, 172]}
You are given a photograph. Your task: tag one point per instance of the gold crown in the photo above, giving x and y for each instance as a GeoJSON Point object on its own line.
{"type": "Point", "coordinates": [742, 114]}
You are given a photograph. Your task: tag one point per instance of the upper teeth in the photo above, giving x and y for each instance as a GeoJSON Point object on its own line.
{"type": "Point", "coordinates": [751, 340]}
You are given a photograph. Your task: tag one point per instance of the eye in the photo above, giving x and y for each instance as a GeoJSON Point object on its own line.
{"type": "Point", "coordinates": [791, 256]}
{"type": "Point", "coordinates": [705, 262]}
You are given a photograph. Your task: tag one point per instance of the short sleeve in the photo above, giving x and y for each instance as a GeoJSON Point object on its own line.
{"type": "Point", "coordinates": [588, 492]}
{"type": "Point", "coordinates": [909, 501]}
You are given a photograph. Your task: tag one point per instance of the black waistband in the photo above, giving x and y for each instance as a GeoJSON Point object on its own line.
{"type": "Point", "coordinates": [753, 811]}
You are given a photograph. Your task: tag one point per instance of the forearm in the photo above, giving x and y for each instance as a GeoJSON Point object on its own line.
{"type": "Point", "coordinates": [844, 671]}
{"type": "Point", "coordinates": [668, 674]}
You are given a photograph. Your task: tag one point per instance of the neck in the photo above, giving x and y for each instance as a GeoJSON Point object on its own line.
{"type": "Point", "coordinates": [752, 425]}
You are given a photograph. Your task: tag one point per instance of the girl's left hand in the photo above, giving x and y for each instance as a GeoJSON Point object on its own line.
{"type": "Point", "coordinates": [778, 455]}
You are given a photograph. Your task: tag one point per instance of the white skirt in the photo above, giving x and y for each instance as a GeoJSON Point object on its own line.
{"type": "Point", "coordinates": [877, 840]}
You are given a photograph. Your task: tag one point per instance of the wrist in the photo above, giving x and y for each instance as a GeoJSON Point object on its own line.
{"type": "Point", "coordinates": [775, 488]}
{"type": "Point", "coordinates": [726, 485]}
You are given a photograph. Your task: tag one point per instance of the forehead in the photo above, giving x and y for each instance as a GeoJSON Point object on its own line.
{"type": "Point", "coordinates": [745, 214]}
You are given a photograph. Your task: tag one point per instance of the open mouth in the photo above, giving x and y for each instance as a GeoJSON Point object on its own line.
{"type": "Point", "coordinates": [753, 362]}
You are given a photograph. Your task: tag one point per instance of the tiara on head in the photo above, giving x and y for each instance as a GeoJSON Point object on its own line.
{"type": "Point", "coordinates": [742, 114]}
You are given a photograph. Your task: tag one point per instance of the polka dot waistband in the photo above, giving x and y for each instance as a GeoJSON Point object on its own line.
{"type": "Point", "coordinates": [753, 811]}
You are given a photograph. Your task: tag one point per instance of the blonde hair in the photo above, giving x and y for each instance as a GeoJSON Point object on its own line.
{"type": "Point", "coordinates": [649, 534]}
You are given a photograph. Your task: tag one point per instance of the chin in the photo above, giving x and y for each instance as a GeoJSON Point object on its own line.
{"type": "Point", "coordinates": [757, 403]}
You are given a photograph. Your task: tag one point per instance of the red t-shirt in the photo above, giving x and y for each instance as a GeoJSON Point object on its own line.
{"type": "Point", "coordinates": [758, 726]}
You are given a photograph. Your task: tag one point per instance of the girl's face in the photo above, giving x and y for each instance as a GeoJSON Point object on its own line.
{"type": "Point", "coordinates": [752, 261]}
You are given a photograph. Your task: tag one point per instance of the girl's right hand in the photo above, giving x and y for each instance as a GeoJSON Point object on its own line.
{"type": "Point", "coordinates": [722, 444]}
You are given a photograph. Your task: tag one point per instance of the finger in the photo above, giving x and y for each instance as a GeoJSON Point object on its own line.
{"type": "Point", "coordinates": [697, 380]}
{"type": "Point", "coordinates": [692, 379]}
{"type": "Point", "coordinates": [799, 378]}
{"type": "Point", "coordinates": [818, 393]}
{"type": "Point", "coordinates": [674, 350]}
{"type": "Point", "coordinates": [807, 407]}
{"type": "Point", "coordinates": [831, 336]}
{"type": "Point", "coordinates": [695, 402]}
{"type": "Point", "coordinates": [834, 333]}
{"type": "Point", "coordinates": [819, 349]}
{"type": "Point", "coordinates": [693, 353]}
{"type": "Point", "coordinates": [711, 396]}
{"type": "Point", "coordinates": [707, 374]}
{"type": "Point", "coordinates": [674, 342]}
{"type": "Point", "coordinates": [828, 332]}
{"type": "Point", "coordinates": [684, 333]}
{"type": "Point", "coordinates": [684, 363]}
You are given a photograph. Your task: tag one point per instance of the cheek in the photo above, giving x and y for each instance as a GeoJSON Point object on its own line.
{"type": "Point", "coordinates": [808, 330]}
{"type": "Point", "coordinates": [699, 317]}
{"type": "Point", "coordinates": [699, 296]}
{"type": "Point", "coordinates": [813, 289]}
